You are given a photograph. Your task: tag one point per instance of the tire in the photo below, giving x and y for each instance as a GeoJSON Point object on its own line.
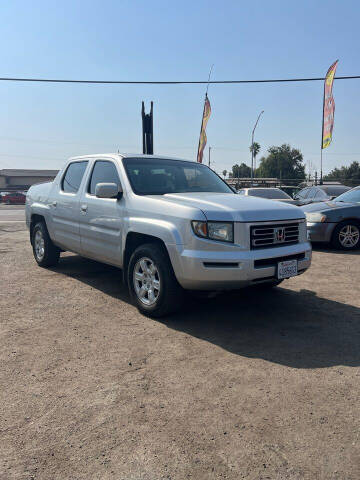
{"type": "Point", "coordinates": [152, 283]}
{"type": "Point", "coordinates": [346, 235]}
{"type": "Point", "coordinates": [45, 252]}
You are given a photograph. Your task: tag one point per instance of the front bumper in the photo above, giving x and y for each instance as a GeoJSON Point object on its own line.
{"type": "Point", "coordinates": [233, 268]}
{"type": "Point", "coordinates": [320, 232]}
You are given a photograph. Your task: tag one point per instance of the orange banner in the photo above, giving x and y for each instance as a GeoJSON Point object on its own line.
{"type": "Point", "coordinates": [328, 107]}
{"type": "Point", "coordinates": [203, 138]}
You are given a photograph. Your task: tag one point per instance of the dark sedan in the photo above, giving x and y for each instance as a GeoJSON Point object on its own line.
{"type": "Point", "coordinates": [319, 193]}
{"type": "Point", "coordinates": [337, 221]}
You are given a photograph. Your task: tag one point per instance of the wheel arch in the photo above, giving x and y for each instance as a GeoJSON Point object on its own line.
{"type": "Point", "coordinates": [133, 241]}
{"type": "Point", "coordinates": [34, 219]}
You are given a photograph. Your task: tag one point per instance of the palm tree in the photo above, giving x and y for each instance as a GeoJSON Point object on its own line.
{"type": "Point", "coordinates": [255, 149]}
{"type": "Point", "coordinates": [224, 173]}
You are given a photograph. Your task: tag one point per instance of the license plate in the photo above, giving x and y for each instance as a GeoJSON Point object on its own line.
{"type": "Point", "coordinates": [287, 269]}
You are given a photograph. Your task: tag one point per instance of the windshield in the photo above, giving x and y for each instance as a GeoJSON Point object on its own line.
{"type": "Point", "coordinates": [335, 191]}
{"type": "Point", "coordinates": [159, 176]}
{"type": "Point", "coordinates": [350, 196]}
{"type": "Point", "coordinates": [274, 193]}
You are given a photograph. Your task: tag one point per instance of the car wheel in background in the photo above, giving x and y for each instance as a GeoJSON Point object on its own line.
{"type": "Point", "coordinates": [152, 283]}
{"type": "Point", "coordinates": [346, 235]}
{"type": "Point", "coordinates": [45, 252]}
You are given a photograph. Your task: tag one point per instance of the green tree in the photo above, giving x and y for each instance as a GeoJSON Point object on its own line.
{"type": "Point", "coordinates": [240, 171]}
{"type": "Point", "coordinates": [282, 162]}
{"type": "Point", "coordinates": [255, 148]}
{"type": "Point", "coordinates": [352, 172]}
{"type": "Point", "coordinates": [224, 173]}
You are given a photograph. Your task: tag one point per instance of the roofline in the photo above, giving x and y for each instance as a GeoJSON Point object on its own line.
{"type": "Point", "coordinates": [118, 156]}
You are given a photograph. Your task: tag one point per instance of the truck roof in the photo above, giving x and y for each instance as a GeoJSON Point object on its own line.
{"type": "Point", "coordinates": [118, 156]}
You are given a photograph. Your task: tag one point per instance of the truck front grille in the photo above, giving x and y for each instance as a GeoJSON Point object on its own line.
{"type": "Point", "coordinates": [276, 235]}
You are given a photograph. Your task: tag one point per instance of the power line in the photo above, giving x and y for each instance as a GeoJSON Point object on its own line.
{"type": "Point", "coordinates": [185, 82]}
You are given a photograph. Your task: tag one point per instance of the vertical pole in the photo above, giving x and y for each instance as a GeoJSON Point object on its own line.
{"type": "Point", "coordinates": [143, 127]}
{"type": "Point", "coordinates": [252, 147]}
{"type": "Point", "coordinates": [151, 149]}
{"type": "Point", "coordinates": [321, 166]}
{"type": "Point", "coordinates": [209, 155]}
{"type": "Point", "coordinates": [322, 137]}
{"type": "Point", "coordinates": [252, 157]}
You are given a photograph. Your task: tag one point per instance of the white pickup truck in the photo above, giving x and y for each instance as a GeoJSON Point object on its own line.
{"type": "Point", "coordinates": [170, 225]}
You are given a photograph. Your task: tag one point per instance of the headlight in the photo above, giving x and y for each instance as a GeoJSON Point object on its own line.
{"type": "Point", "coordinates": [315, 217]}
{"type": "Point", "coordinates": [221, 231]}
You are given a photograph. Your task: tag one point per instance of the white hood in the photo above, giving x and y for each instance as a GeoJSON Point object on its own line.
{"type": "Point", "coordinates": [236, 208]}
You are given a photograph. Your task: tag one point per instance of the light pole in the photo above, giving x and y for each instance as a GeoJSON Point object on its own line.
{"type": "Point", "coordinates": [252, 146]}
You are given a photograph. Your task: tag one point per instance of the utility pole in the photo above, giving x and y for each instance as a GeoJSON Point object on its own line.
{"type": "Point", "coordinates": [209, 155]}
{"type": "Point", "coordinates": [252, 147]}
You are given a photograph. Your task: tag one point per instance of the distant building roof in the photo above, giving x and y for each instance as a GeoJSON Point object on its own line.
{"type": "Point", "coordinates": [16, 172]}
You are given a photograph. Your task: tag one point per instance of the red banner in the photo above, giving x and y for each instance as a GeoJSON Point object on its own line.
{"type": "Point", "coordinates": [203, 138]}
{"type": "Point", "coordinates": [328, 107]}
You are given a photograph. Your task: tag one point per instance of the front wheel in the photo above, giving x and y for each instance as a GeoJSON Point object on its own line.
{"type": "Point", "coordinates": [346, 235]}
{"type": "Point", "coordinates": [45, 252]}
{"type": "Point", "coordinates": [152, 283]}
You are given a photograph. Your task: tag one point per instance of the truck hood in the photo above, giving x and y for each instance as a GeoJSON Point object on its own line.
{"type": "Point", "coordinates": [236, 208]}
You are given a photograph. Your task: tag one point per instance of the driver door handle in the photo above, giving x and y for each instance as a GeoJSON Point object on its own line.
{"type": "Point", "coordinates": [83, 208]}
{"type": "Point", "coordinates": [54, 203]}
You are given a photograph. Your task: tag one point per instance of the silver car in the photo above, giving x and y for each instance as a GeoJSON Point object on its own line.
{"type": "Point", "coordinates": [336, 222]}
{"type": "Point", "coordinates": [272, 193]}
{"type": "Point", "coordinates": [319, 193]}
{"type": "Point", "coordinates": [169, 224]}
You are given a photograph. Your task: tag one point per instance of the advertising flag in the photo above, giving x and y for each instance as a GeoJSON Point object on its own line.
{"type": "Point", "coordinates": [328, 107]}
{"type": "Point", "coordinates": [203, 138]}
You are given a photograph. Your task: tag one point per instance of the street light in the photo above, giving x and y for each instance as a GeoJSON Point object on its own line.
{"type": "Point", "coordinates": [252, 146]}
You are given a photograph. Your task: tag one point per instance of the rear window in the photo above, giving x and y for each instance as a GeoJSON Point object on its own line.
{"type": "Point", "coordinates": [335, 191]}
{"type": "Point", "coordinates": [273, 193]}
{"type": "Point", "coordinates": [73, 176]}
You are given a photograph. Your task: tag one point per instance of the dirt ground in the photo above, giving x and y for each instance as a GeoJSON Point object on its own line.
{"type": "Point", "coordinates": [245, 386]}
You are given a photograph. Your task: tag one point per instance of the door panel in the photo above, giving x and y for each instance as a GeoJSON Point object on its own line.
{"type": "Point", "coordinates": [101, 219]}
{"type": "Point", "coordinates": [65, 208]}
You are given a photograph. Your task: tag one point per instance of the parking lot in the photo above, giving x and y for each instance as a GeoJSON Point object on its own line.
{"type": "Point", "coordinates": [245, 385]}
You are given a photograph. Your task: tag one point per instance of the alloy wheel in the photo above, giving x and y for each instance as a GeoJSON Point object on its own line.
{"type": "Point", "coordinates": [146, 280]}
{"type": "Point", "coordinates": [39, 245]}
{"type": "Point", "coordinates": [349, 236]}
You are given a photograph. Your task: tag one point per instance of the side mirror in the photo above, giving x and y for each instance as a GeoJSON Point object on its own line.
{"type": "Point", "coordinates": [108, 190]}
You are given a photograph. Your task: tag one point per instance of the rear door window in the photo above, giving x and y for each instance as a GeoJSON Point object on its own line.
{"type": "Point", "coordinates": [303, 193]}
{"type": "Point", "coordinates": [73, 177]}
{"type": "Point", "coordinates": [103, 172]}
{"type": "Point", "coordinates": [320, 194]}
{"type": "Point", "coordinates": [312, 193]}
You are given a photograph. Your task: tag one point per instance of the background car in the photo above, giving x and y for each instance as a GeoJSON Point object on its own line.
{"type": "Point", "coordinates": [319, 193]}
{"type": "Point", "coordinates": [337, 221]}
{"type": "Point", "coordinates": [270, 193]}
{"type": "Point", "coordinates": [13, 198]}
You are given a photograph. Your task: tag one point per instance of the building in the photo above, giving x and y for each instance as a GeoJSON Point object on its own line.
{"type": "Point", "coordinates": [16, 179]}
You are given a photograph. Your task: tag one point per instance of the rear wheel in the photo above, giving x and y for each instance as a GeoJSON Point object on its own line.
{"type": "Point", "coordinates": [45, 252]}
{"type": "Point", "coordinates": [152, 283]}
{"type": "Point", "coordinates": [346, 235]}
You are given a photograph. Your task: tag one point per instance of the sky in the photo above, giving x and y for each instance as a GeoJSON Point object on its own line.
{"type": "Point", "coordinates": [41, 125]}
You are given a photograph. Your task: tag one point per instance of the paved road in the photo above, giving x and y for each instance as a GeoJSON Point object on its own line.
{"type": "Point", "coordinates": [12, 213]}
{"type": "Point", "coordinates": [245, 386]}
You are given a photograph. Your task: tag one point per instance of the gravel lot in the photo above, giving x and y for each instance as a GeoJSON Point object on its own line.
{"type": "Point", "coordinates": [249, 385]}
